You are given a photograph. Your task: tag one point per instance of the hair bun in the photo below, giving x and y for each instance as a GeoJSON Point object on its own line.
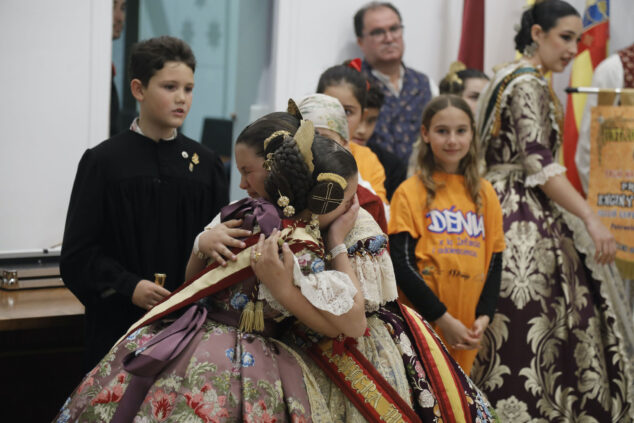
{"type": "Point", "coordinates": [325, 197]}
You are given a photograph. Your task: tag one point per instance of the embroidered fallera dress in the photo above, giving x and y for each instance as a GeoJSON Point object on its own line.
{"type": "Point", "coordinates": [389, 344]}
{"type": "Point", "coordinates": [557, 349]}
{"type": "Point", "coordinates": [222, 373]}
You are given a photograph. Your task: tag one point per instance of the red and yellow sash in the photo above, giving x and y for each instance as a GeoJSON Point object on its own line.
{"type": "Point", "coordinates": [371, 394]}
{"type": "Point", "coordinates": [440, 369]}
{"type": "Point", "coordinates": [362, 384]}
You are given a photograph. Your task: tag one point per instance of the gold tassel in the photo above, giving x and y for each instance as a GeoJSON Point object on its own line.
{"type": "Point", "coordinates": [247, 318]}
{"type": "Point", "coordinates": [258, 324]}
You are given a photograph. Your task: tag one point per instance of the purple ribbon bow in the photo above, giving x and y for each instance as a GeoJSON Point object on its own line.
{"type": "Point", "coordinates": [146, 363]}
{"type": "Point", "coordinates": [253, 211]}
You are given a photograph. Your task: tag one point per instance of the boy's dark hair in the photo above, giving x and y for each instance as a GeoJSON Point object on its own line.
{"type": "Point", "coordinates": [344, 74]}
{"type": "Point", "coordinates": [545, 14]}
{"type": "Point", "coordinates": [358, 17]}
{"type": "Point", "coordinates": [375, 97]}
{"type": "Point", "coordinates": [149, 56]}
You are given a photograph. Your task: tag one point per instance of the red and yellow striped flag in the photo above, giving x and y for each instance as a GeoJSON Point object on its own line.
{"type": "Point", "coordinates": [592, 49]}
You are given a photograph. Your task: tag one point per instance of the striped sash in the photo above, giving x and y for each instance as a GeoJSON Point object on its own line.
{"type": "Point", "coordinates": [360, 382]}
{"type": "Point", "coordinates": [440, 368]}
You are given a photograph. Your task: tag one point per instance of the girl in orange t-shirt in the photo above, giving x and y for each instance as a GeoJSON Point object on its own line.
{"type": "Point", "coordinates": [446, 235]}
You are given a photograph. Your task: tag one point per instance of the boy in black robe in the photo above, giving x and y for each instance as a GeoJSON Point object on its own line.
{"type": "Point", "coordinates": [139, 199]}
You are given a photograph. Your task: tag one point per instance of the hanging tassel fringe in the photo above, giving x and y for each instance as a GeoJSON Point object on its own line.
{"type": "Point", "coordinates": [258, 324]}
{"type": "Point", "coordinates": [247, 318]}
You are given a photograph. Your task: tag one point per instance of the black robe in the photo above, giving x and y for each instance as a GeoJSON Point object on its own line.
{"type": "Point", "coordinates": [135, 209]}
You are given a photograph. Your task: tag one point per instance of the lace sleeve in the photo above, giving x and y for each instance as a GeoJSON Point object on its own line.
{"type": "Point", "coordinates": [331, 291]}
{"type": "Point", "coordinates": [544, 175]}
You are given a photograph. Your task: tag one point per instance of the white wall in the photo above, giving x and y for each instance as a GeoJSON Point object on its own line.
{"type": "Point", "coordinates": [310, 36]}
{"type": "Point", "coordinates": [55, 77]}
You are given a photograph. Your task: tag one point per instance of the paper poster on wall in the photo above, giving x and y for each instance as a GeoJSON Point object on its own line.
{"type": "Point", "coordinates": [611, 188]}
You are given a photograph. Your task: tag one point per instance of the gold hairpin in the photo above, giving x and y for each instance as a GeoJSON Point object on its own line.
{"type": "Point", "coordinates": [333, 177]}
{"type": "Point", "coordinates": [268, 163]}
{"type": "Point", "coordinates": [275, 135]}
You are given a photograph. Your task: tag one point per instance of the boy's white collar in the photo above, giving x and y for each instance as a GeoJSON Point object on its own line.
{"type": "Point", "coordinates": [136, 128]}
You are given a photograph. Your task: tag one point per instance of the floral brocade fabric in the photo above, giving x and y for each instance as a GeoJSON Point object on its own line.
{"type": "Point", "coordinates": [554, 351]}
{"type": "Point", "coordinates": [223, 375]}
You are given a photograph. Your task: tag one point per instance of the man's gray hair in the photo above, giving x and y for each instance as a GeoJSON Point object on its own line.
{"type": "Point", "coordinates": [358, 17]}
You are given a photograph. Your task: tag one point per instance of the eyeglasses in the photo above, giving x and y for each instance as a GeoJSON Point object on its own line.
{"type": "Point", "coordinates": [379, 34]}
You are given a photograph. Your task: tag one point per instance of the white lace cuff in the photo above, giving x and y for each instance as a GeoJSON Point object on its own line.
{"type": "Point", "coordinates": [265, 295]}
{"type": "Point", "coordinates": [331, 291]}
{"type": "Point", "coordinates": [544, 175]}
{"type": "Point", "coordinates": [376, 276]}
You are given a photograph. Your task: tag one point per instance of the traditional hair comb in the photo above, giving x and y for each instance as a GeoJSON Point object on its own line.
{"type": "Point", "coordinates": [293, 109]}
{"type": "Point", "coordinates": [304, 138]}
{"type": "Point", "coordinates": [454, 68]}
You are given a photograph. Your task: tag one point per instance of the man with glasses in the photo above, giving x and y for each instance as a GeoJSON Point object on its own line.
{"type": "Point", "coordinates": [379, 33]}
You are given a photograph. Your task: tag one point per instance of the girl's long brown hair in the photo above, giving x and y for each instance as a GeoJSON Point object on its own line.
{"type": "Point", "coordinates": [468, 166]}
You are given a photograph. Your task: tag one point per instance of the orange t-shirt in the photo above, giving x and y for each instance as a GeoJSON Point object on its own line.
{"type": "Point", "coordinates": [370, 168]}
{"type": "Point", "coordinates": [455, 244]}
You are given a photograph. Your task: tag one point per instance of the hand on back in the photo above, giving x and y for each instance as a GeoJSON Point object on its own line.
{"type": "Point", "coordinates": [217, 241]}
